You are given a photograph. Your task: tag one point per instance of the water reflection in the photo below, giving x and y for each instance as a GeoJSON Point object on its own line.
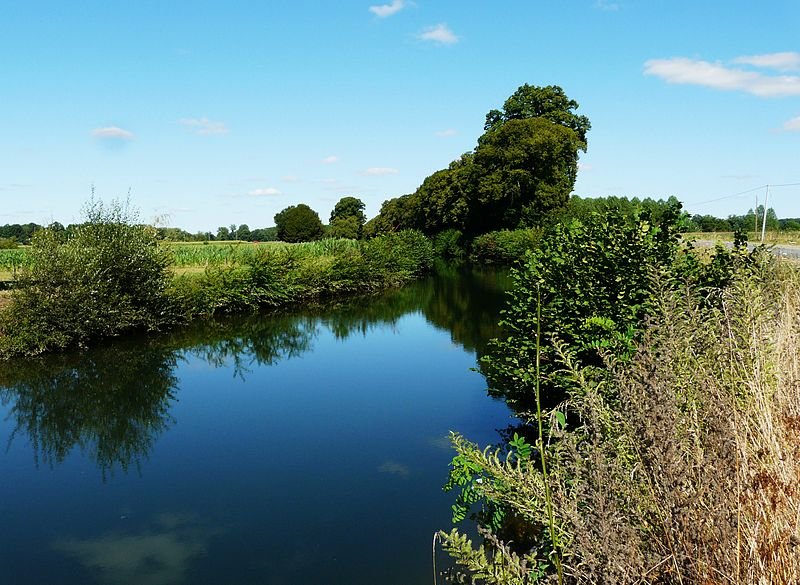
{"type": "Point", "coordinates": [113, 403]}
{"type": "Point", "coordinates": [159, 554]}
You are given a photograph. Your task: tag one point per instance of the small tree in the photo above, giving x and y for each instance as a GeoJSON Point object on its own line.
{"type": "Point", "coordinates": [350, 207]}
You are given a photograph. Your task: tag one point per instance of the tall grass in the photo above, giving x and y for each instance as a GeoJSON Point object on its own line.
{"type": "Point", "coordinates": [679, 465]}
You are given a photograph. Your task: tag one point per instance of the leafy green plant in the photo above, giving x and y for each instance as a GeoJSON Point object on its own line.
{"type": "Point", "coordinates": [103, 278]}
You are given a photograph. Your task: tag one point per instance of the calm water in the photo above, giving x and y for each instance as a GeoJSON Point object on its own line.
{"type": "Point", "coordinates": [302, 449]}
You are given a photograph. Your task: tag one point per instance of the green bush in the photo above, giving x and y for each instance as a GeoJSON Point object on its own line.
{"type": "Point", "coordinates": [105, 277]}
{"type": "Point", "coordinates": [596, 279]}
{"type": "Point", "coordinates": [505, 247]}
{"type": "Point", "coordinates": [449, 244]}
{"type": "Point", "coordinates": [8, 243]}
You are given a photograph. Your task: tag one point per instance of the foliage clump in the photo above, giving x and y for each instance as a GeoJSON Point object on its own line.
{"type": "Point", "coordinates": [663, 448]}
{"type": "Point", "coordinates": [298, 223]}
{"type": "Point", "coordinates": [678, 465]}
{"type": "Point", "coordinates": [505, 247]}
{"type": "Point", "coordinates": [104, 277]}
{"type": "Point", "coordinates": [523, 167]}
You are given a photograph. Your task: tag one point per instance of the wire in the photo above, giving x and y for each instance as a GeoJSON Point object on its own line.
{"type": "Point", "coordinates": [736, 194]}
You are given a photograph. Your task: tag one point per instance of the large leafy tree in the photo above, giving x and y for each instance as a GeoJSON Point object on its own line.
{"type": "Point", "coordinates": [549, 102]}
{"type": "Point", "coordinates": [523, 168]}
{"type": "Point", "coordinates": [298, 223]}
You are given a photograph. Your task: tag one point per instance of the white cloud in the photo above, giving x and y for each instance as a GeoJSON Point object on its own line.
{"type": "Point", "coordinates": [204, 126]}
{"type": "Point", "coordinates": [446, 133]}
{"type": "Point", "coordinates": [380, 171]}
{"type": "Point", "coordinates": [441, 34]}
{"type": "Point", "coordinates": [112, 133]}
{"type": "Point", "coordinates": [384, 10]}
{"type": "Point", "coordinates": [681, 70]}
{"type": "Point", "coordinates": [329, 160]}
{"type": "Point", "coordinates": [786, 61]}
{"type": "Point", "coordinates": [585, 167]}
{"type": "Point", "coordinates": [290, 179]}
{"type": "Point", "coordinates": [266, 192]}
{"type": "Point", "coordinates": [792, 125]}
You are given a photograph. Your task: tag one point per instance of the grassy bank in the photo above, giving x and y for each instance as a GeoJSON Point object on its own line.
{"type": "Point", "coordinates": [112, 275]}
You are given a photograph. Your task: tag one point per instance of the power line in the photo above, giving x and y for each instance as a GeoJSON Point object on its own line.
{"type": "Point", "coordinates": [734, 195]}
{"type": "Point", "coordinates": [740, 193]}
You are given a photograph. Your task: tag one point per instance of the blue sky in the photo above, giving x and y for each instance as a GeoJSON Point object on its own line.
{"type": "Point", "coordinates": [213, 113]}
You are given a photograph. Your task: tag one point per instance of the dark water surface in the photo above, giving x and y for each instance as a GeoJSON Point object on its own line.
{"type": "Point", "coordinates": [300, 449]}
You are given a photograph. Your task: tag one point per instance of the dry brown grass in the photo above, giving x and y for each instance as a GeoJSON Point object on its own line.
{"type": "Point", "coordinates": [5, 299]}
{"type": "Point", "coordinates": [683, 464]}
{"type": "Point", "coordinates": [699, 479]}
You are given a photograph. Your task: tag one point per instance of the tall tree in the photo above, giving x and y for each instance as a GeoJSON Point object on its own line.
{"type": "Point", "coordinates": [549, 102]}
{"type": "Point", "coordinates": [523, 167]}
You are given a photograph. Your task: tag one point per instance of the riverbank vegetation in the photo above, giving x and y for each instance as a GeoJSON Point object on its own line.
{"type": "Point", "coordinates": [111, 275]}
{"type": "Point", "coordinates": [658, 391]}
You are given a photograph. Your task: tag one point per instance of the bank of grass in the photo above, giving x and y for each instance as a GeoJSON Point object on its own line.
{"type": "Point", "coordinates": [112, 275]}
{"type": "Point", "coordinates": [679, 465]}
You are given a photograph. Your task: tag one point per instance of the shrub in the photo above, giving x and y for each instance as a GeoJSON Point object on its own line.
{"type": "Point", "coordinates": [449, 244]}
{"type": "Point", "coordinates": [105, 277]}
{"type": "Point", "coordinates": [505, 247]}
{"type": "Point", "coordinates": [677, 465]}
{"type": "Point", "coordinates": [8, 243]}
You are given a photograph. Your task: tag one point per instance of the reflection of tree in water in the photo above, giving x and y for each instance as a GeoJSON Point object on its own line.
{"type": "Point", "coordinates": [462, 300]}
{"type": "Point", "coordinates": [467, 302]}
{"type": "Point", "coordinates": [111, 403]}
{"type": "Point", "coordinates": [246, 341]}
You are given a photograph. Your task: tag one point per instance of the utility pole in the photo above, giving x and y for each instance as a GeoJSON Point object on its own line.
{"type": "Point", "coordinates": [755, 231]}
{"type": "Point", "coordinates": [764, 224]}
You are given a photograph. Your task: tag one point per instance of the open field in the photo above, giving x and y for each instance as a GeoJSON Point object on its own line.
{"type": "Point", "coordinates": [189, 257]}
{"type": "Point", "coordinates": [783, 237]}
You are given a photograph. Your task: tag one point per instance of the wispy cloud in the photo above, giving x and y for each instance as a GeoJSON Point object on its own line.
{"type": "Point", "coordinates": [685, 71]}
{"type": "Point", "coordinates": [440, 34]}
{"type": "Point", "coordinates": [792, 125]}
{"type": "Point", "coordinates": [329, 160]}
{"type": "Point", "coordinates": [204, 126]}
{"type": "Point", "coordinates": [786, 61]}
{"type": "Point", "coordinates": [290, 179]}
{"type": "Point", "coordinates": [112, 133]}
{"type": "Point", "coordinates": [265, 192]}
{"type": "Point", "coordinates": [385, 10]}
{"type": "Point", "coordinates": [606, 6]}
{"type": "Point", "coordinates": [380, 171]}
{"type": "Point", "coordinates": [446, 133]}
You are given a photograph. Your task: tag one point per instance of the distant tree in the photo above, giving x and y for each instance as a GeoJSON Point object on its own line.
{"type": "Point", "coordinates": [345, 227]}
{"type": "Point", "coordinates": [243, 233]}
{"type": "Point", "coordinates": [223, 233]}
{"type": "Point", "coordinates": [350, 207]}
{"type": "Point", "coordinates": [395, 215]}
{"type": "Point", "coordinates": [269, 234]}
{"type": "Point", "coordinates": [298, 223]}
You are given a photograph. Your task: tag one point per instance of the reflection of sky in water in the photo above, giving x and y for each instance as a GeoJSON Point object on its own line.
{"type": "Point", "coordinates": [157, 556]}
{"type": "Point", "coordinates": [291, 449]}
